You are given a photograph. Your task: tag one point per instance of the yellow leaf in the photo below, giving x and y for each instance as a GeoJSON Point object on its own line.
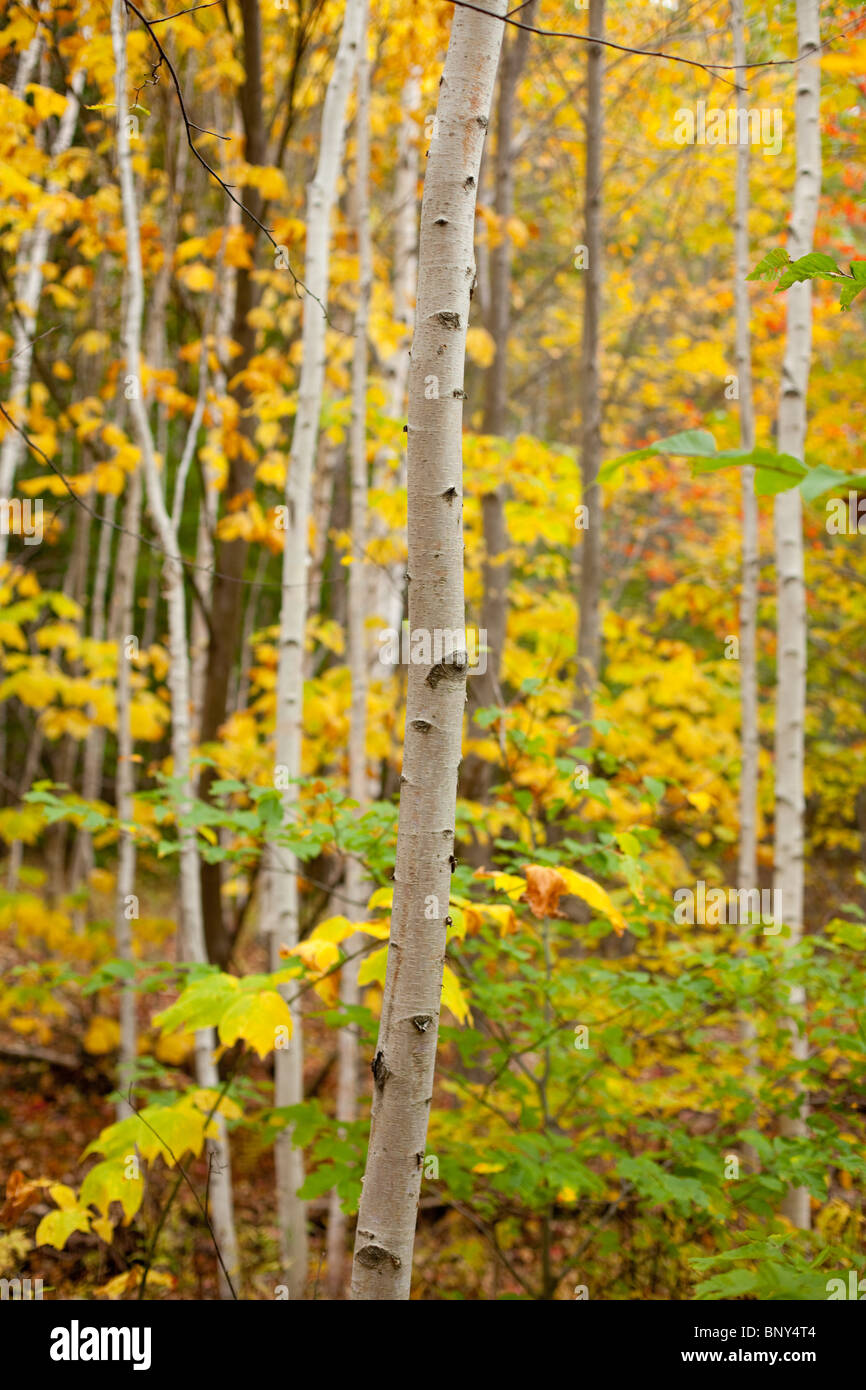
{"type": "Point", "coordinates": [103, 1035]}
{"type": "Point", "coordinates": [701, 800]}
{"type": "Point", "coordinates": [256, 1018]}
{"type": "Point", "coordinates": [489, 1168]}
{"type": "Point", "coordinates": [480, 346]}
{"type": "Point", "coordinates": [105, 1230]}
{"type": "Point", "coordinates": [108, 1182]}
{"type": "Point", "coordinates": [56, 1228]}
{"type": "Point", "coordinates": [197, 277]}
{"type": "Point", "coordinates": [453, 997]}
{"type": "Point", "coordinates": [175, 1048]}
{"type": "Point", "coordinates": [372, 968]}
{"type": "Point", "coordinates": [594, 894]}
{"type": "Point", "coordinates": [205, 1100]}
{"type": "Point", "coordinates": [63, 1196]}
{"type": "Point", "coordinates": [318, 954]}
{"type": "Point", "coordinates": [92, 342]}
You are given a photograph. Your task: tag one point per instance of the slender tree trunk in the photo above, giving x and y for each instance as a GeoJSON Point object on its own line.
{"type": "Point", "coordinates": [390, 580]}
{"type": "Point", "coordinates": [791, 588]}
{"type": "Point", "coordinates": [227, 590]}
{"type": "Point", "coordinates": [30, 57]}
{"type": "Point", "coordinates": [347, 1038]}
{"type": "Point", "coordinates": [126, 908]}
{"type": "Point", "coordinates": [404, 1064]}
{"type": "Point", "coordinates": [478, 774]}
{"type": "Point", "coordinates": [32, 255]}
{"type": "Point", "coordinates": [283, 894]}
{"type": "Point", "coordinates": [747, 868]}
{"type": "Point", "coordinates": [589, 592]}
{"type": "Point", "coordinates": [207, 517]}
{"type": "Point", "coordinates": [193, 938]}
{"type": "Point", "coordinates": [94, 747]}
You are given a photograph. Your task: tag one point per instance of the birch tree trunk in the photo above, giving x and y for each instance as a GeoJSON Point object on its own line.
{"type": "Point", "coordinates": [790, 582]}
{"type": "Point", "coordinates": [207, 517]}
{"type": "Point", "coordinates": [478, 773]}
{"type": "Point", "coordinates": [747, 867]}
{"type": "Point", "coordinates": [94, 747]}
{"type": "Point", "coordinates": [404, 1064]}
{"type": "Point", "coordinates": [390, 580]}
{"type": "Point", "coordinates": [125, 905]}
{"type": "Point", "coordinates": [231, 555]}
{"type": "Point", "coordinates": [192, 932]}
{"type": "Point", "coordinates": [32, 256]}
{"type": "Point", "coordinates": [347, 1038]}
{"type": "Point", "coordinates": [283, 867]}
{"type": "Point", "coordinates": [589, 593]}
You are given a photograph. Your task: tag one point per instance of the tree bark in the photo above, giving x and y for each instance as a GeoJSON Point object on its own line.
{"type": "Point", "coordinates": [28, 283]}
{"type": "Point", "coordinates": [227, 592]}
{"type": "Point", "coordinates": [589, 592]}
{"type": "Point", "coordinates": [790, 581]}
{"type": "Point", "coordinates": [404, 1064]}
{"type": "Point", "coordinates": [747, 865]}
{"type": "Point", "coordinates": [192, 934]}
{"type": "Point", "coordinates": [283, 867]}
{"type": "Point", "coordinates": [478, 773]}
{"type": "Point", "coordinates": [347, 1038]}
{"type": "Point", "coordinates": [124, 579]}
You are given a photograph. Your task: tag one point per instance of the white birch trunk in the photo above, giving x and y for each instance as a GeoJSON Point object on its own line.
{"type": "Point", "coordinates": [124, 578]}
{"type": "Point", "coordinates": [347, 1038]}
{"type": "Point", "coordinates": [28, 281]}
{"type": "Point", "coordinates": [791, 589]}
{"type": "Point", "coordinates": [589, 597]}
{"type": "Point", "coordinates": [404, 1064]}
{"type": "Point", "coordinates": [389, 581]}
{"type": "Point", "coordinates": [283, 868]}
{"type": "Point", "coordinates": [94, 747]}
{"type": "Point", "coordinates": [192, 925]}
{"type": "Point", "coordinates": [747, 867]}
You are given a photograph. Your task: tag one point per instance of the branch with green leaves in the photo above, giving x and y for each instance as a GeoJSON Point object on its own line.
{"type": "Point", "coordinates": [774, 472]}
{"type": "Point", "coordinates": [777, 265]}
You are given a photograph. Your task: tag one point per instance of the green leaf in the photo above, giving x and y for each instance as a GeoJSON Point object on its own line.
{"type": "Point", "coordinates": [769, 266]}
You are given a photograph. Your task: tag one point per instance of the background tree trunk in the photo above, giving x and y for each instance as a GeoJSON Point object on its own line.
{"type": "Point", "coordinates": [283, 867]}
{"type": "Point", "coordinates": [478, 774]}
{"type": "Point", "coordinates": [347, 1038]}
{"type": "Point", "coordinates": [590, 555]}
{"type": "Point", "coordinates": [747, 865]}
{"type": "Point", "coordinates": [192, 930]}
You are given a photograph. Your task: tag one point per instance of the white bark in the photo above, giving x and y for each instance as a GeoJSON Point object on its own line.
{"type": "Point", "coordinates": [283, 891]}
{"type": "Point", "coordinates": [347, 1038]}
{"type": "Point", "coordinates": [589, 597]}
{"type": "Point", "coordinates": [199, 638]}
{"type": "Point", "coordinates": [32, 255]}
{"type": "Point", "coordinates": [747, 868]}
{"type": "Point", "coordinates": [791, 590]}
{"type": "Point", "coordinates": [192, 929]}
{"type": "Point", "coordinates": [30, 57]}
{"type": "Point", "coordinates": [390, 581]}
{"type": "Point", "coordinates": [404, 1064]}
{"type": "Point", "coordinates": [94, 747]}
{"type": "Point", "coordinates": [124, 579]}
